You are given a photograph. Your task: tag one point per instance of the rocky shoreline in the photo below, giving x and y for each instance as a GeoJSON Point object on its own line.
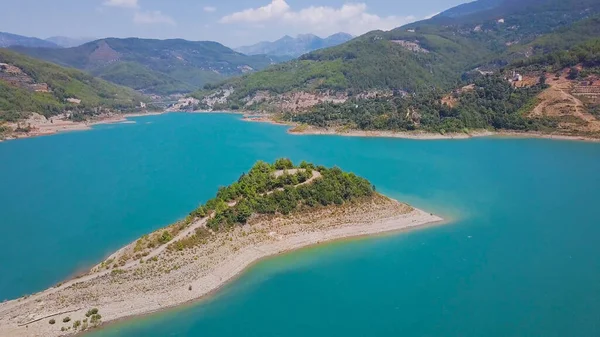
{"type": "Point", "coordinates": [175, 277]}
{"type": "Point", "coordinates": [297, 129]}
{"type": "Point", "coordinates": [45, 127]}
{"type": "Point", "coordinates": [39, 125]}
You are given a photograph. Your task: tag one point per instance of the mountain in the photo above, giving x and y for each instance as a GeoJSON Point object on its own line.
{"type": "Point", "coordinates": [8, 40]}
{"type": "Point", "coordinates": [561, 39]}
{"type": "Point", "coordinates": [470, 8]}
{"type": "Point", "coordinates": [154, 66]}
{"type": "Point", "coordinates": [450, 73]}
{"type": "Point", "coordinates": [294, 47]}
{"type": "Point", "coordinates": [30, 85]}
{"type": "Point", "coordinates": [69, 42]}
{"type": "Point", "coordinates": [417, 58]}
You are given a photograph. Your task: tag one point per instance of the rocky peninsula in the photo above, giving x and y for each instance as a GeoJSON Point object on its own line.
{"type": "Point", "coordinates": [274, 208]}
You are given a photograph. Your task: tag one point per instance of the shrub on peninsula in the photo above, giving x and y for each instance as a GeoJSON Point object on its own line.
{"type": "Point", "coordinates": [260, 191]}
{"type": "Point", "coordinates": [91, 312]}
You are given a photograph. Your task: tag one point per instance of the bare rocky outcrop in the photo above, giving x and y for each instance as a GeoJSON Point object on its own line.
{"type": "Point", "coordinates": [413, 46]}
{"type": "Point", "coordinates": [265, 101]}
{"type": "Point", "coordinates": [218, 97]}
{"type": "Point", "coordinates": [301, 100]}
{"type": "Point", "coordinates": [451, 99]}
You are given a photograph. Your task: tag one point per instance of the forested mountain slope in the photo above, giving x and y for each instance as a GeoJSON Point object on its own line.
{"type": "Point", "coordinates": [426, 56]}
{"type": "Point", "coordinates": [551, 93]}
{"type": "Point", "coordinates": [8, 39]}
{"type": "Point", "coordinates": [561, 39]}
{"type": "Point", "coordinates": [154, 66]}
{"type": "Point", "coordinates": [29, 85]}
{"type": "Point", "coordinates": [498, 65]}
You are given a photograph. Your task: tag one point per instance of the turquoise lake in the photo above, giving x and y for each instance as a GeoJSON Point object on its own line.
{"type": "Point", "coordinates": [519, 256]}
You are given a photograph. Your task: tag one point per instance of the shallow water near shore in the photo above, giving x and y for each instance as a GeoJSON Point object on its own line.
{"type": "Point", "coordinates": [519, 259]}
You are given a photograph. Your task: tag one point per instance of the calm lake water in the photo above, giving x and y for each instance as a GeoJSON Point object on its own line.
{"type": "Point", "coordinates": [519, 258]}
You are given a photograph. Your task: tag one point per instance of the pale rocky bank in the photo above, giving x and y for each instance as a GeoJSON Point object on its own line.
{"type": "Point", "coordinates": [166, 278]}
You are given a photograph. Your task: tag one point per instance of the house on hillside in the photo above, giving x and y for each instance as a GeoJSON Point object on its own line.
{"type": "Point", "coordinates": [516, 77]}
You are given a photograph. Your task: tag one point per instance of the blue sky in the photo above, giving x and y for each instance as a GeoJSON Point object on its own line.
{"type": "Point", "coordinates": [233, 23]}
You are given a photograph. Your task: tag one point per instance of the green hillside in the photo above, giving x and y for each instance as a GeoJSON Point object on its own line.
{"type": "Point", "coordinates": [492, 104]}
{"type": "Point", "coordinates": [373, 61]}
{"type": "Point", "coordinates": [138, 77]}
{"type": "Point", "coordinates": [154, 66]}
{"type": "Point", "coordinates": [585, 54]}
{"type": "Point", "coordinates": [18, 89]}
{"type": "Point", "coordinates": [561, 39]}
{"type": "Point", "coordinates": [421, 57]}
{"type": "Point", "coordinates": [484, 102]}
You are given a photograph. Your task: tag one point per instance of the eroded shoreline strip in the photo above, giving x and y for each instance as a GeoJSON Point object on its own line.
{"type": "Point", "coordinates": [293, 129]}
{"type": "Point", "coordinates": [124, 300]}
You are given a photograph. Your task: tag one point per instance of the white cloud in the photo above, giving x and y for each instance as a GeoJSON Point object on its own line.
{"type": "Point", "coordinates": [152, 17]}
{"type": "Point", "coordinates": [276, 9]}
{"type": "Point", "coordinates": [351, 18]}
{"type": "Point", "coordinates": [121, 3]}
{"type": "Point", "coordinates": [210, 9]}
{"type": "Point", "coordinates": [431, 15]}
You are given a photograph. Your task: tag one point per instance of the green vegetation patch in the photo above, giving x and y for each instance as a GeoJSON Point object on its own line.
{"type": "Point", "coordinates": [269, 189]}
{"type": "Point", "coordinates": [154, 66]}
{"type": "Point", "coordinates": [64, 83]}
{"type": "Point", "coordinates": [493, 104]}
{"type": "Point", "coordinates": [586, 54]}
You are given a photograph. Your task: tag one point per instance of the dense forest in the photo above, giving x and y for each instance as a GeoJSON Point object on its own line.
{"type": "Point", "coordinates": [429, 55]}
{"type": "Point", "coordinates": [139, 77]}
{"type": "Point", "coordinates": [376, 60]}
{"type": "Point", "coordinates": [587, 55]}
{"type": "Point", "coordinates": [492, 103]}
{"type": "Point", "coordinates": [564, 38]}
{"type": "Point", "coordinates": [261, 191]}
{"type": "Point", "coordinates": [153, 66]}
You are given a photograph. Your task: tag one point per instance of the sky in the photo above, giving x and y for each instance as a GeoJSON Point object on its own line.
{"type": "Point", "coordinates": [233, 23]}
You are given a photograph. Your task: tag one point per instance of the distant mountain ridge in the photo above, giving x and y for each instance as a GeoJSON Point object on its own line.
{"type": "Point", "coordinates": [9, 40]}
{"type": "Point", "coordinates": [421, 56]}
{"type": "Point", "coordinates": [418, 60]}
{"type": "Point", "coordinates": [154, 66]}
{"type": "Point", "coordinates": [69, 42]}
{"type": "Point", "coordinates": [470, 8]}
{"type": "Point", "coordinates": [294, 47]}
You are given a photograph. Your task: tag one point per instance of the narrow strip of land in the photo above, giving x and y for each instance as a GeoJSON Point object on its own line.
{"type": "Point", "coordinates": [152, 274]}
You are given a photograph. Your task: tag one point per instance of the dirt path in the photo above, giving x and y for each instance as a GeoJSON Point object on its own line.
{"type": "Point", "coordinates": [190, 230]}
{"type": "Point", "coordinates": [315, 175]}
{"type": "Point", "coordinates": [557, 101]}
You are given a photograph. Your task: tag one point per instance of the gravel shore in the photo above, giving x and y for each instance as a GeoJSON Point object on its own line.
{"type": "Point", "coordinates": [176, 277]}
